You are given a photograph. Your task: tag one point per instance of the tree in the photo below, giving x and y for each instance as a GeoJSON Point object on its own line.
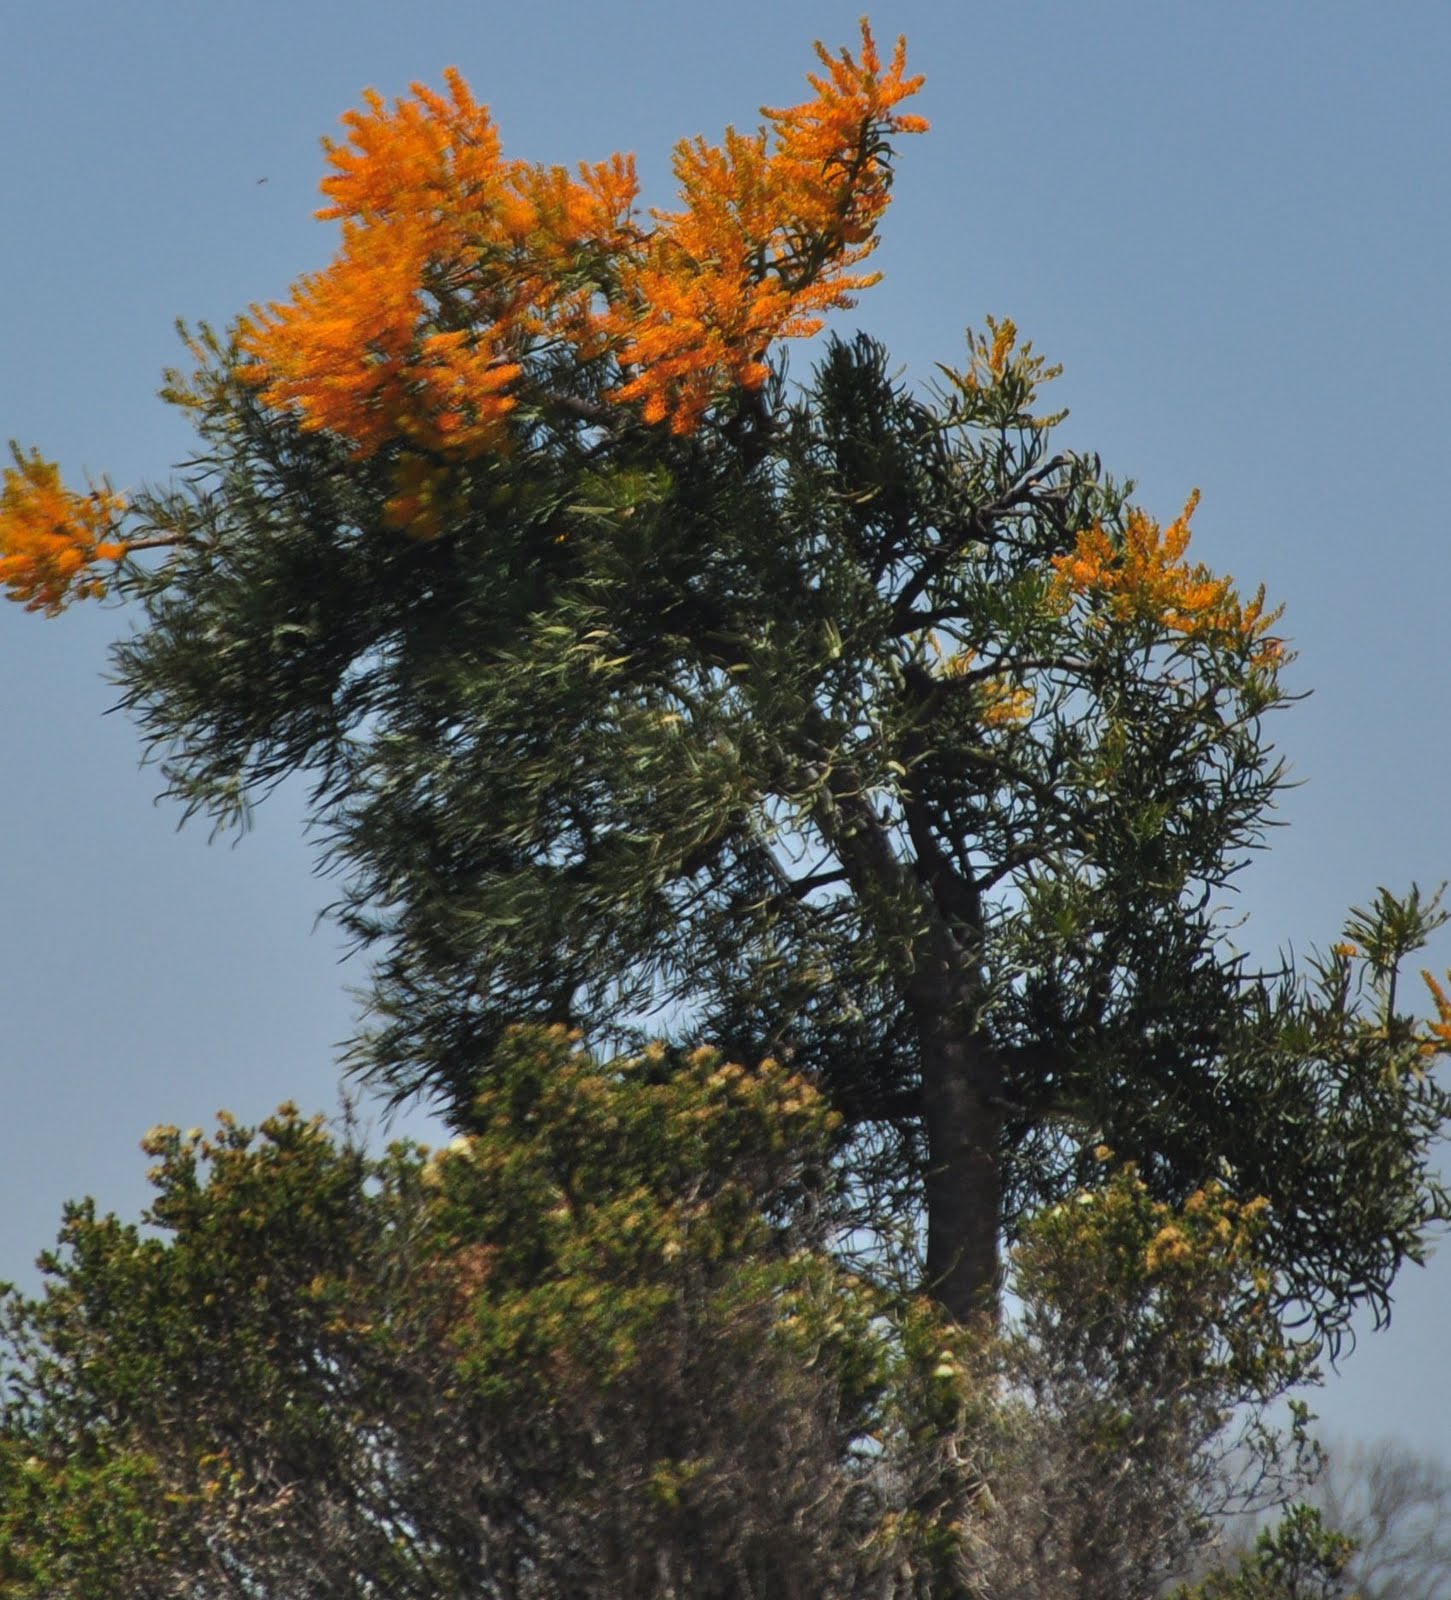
{"type": "Point", "coordinates": [1396, 1505]}
{"type": "Point", "coordinates": [847, 723]}
{"type": "Point", "coordinates": [1126, 1412]}
{"type": "Point", "coordinates": [604, 1346]}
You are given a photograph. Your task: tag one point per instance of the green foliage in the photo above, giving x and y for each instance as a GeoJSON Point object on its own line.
{"type": "Point", "coordinates": [602, 1345]}
{"type": "Point", "coordinates": [855, 728]}
{"type": "Point", "coordinates": [1119, 1284]}
{"type": "Point", "coordinates": [1132, 1393]}
{"type": "Point", "coordinates": [596, 1346]}
{"type": "Point", "coordinates": [1299, 1559]}
{"type": "Point", "coordinates": [1395, 1502]}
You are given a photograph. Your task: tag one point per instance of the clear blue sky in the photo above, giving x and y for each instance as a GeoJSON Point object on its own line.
{"type": "Point", "coordinates": [1229, 222]}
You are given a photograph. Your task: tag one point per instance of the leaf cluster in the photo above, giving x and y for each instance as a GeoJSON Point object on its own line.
{"type": "Point", "coordinates": [597, 1345]}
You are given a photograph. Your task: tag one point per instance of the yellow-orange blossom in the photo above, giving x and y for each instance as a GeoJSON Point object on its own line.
{"type": "Point", "coordinates": [1148, 576]}
{"type": "Point", "coordinates": [456, 266]}
{"type": "Point", "coordinates": [51, 537]}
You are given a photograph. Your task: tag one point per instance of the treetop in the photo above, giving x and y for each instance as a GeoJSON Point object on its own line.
{"type": "Point", "coordinates": [468, 285]}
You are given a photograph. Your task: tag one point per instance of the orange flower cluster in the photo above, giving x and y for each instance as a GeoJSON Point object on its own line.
{"type": "Point", "coordinates": [1003, 704]}
{"type": "Point", "coordinates": [1440, 1041]}
{"type": "Point", "coordinates": [771, 227]}
{"type": "Point", "coordinates": [1148, 578]}
{"type": "Point", "coordinates": [51, 538]}
{"type": "Point", "coordinates": [457, 265]}
{"type": "Point", "coordinates": [452, 260]}
{"type": "Point", "coordinates": [1006, 705]}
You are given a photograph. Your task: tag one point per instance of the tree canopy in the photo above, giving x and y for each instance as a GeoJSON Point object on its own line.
{"type": "Point", "coordinates": [568, 1353]}
{"type": "Point", "coordinates": [646, 690]}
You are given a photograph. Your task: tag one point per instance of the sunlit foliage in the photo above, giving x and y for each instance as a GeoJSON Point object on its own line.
{"type": "Point", "coordinates": [600, 1345]}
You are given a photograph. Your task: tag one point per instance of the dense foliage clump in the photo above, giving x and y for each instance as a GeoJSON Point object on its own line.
{"type": "Point", "coordinates": [603, 1345]}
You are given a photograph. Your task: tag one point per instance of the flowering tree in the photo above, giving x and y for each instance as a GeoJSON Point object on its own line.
{"type": "Point", "coordinates": [467, 284]}
{"type": "Point", "coordinates": [642, 691]}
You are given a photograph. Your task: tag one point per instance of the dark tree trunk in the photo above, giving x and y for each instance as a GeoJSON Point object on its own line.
{"type": "Point", "coordinates": [961, 1095]}
{"type": "Point", "coordinates": [962, 1118]}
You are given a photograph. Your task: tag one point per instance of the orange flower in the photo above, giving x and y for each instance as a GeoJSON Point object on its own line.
{"type": "Point", "coordinates": [771, 227]}
{"type": "Point", "coordinates": [1440, 1041]}
{"type": "Point", "coordinates": [1005, 704]}
{"type": "Point", "coordinates": [51, 538]}
{"type": "Point", "coordinates": [407, 334]}
{"type": "Point", "coordinates": [1147, 577]}
{"type": "Point", "coordinates": [424, 499]}
{"type": "Point", "coordinates": [459, 269]}
{"type": "Point", "coordinates": [456, 265]}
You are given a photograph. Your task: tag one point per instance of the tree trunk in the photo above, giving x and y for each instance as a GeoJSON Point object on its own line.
{"type": "Point", "coordinates": [962, 1117]}
{"type": "Point", "coordinates": [962, 1112]}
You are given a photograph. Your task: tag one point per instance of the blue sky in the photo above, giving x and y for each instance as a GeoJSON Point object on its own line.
{"type": "Point", "coordinates": [1229, 222]}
